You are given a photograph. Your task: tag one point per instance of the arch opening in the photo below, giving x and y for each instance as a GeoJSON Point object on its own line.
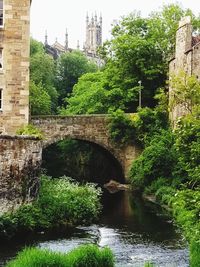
{"type": "Point", "coordinates": [82, 160]}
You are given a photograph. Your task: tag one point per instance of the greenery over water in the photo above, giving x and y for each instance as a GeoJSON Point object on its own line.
{"type": "Point", "coordinates": [139, 50]}
{"type": "Point", "coordinates": [61, 202]}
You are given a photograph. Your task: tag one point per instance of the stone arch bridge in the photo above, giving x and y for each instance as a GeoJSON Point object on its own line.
{"type": "Point", "coordinates": [90, 128]}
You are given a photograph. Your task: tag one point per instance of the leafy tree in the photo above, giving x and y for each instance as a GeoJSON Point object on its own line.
{"type": "Point", "coordinates": [71, 66]}
{"type": "Point", "coordinates": [88, 96]}
{"type": "Point", "coordinates": [42, 73]}
{"type": "Point", "coordinates": [139, 51]}
{"type": "Point", "coordinates": [36, 47]}
{"type": "Point", "coordinates": [40, 101]}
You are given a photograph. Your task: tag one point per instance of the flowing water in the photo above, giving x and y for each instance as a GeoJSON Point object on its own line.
{"type": "Point", "coordinates": [136, 231]}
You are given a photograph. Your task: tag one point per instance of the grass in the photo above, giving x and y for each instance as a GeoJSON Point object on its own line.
{"type": "Point", "coordinates": [83, 256]}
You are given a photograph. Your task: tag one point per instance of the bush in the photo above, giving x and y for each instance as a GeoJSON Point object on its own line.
{"type": "Point", "coordinates": [60, 202]}
{"type": "Point", "coordinates": [83, 256]}
{"type": "Point", "coordinates": [157, 160]}
{"type": "Point", "coordinates": [186, 210]}
{"type": "Point", "coordinates": [195, 253]}
{"type": "Point", "coordinates": [149, 122]}
{"type": "Point", "coordinates": [30, 130]}
{"type": "Point", "coordinates": [121, 128]}
{"type": "Point", "coordinates": [188, 149]}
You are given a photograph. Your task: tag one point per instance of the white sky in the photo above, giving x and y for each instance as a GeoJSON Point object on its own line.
{"type": "Point", "coordinates": [56, 16]}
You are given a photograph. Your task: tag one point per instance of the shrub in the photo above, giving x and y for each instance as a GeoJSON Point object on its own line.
{"type": "Point", "coordinates": [149, 122]}
{"type": "Point", "coordinates": [83, 256]}
{"type": "Point", "coordinates": [30, 130]}
{"type": "Point", "coordinates": [121, 128]}
{"type": "Point", "coordinates": [188, 148]}
{"type": "Point", "coordinates": [195, 254]}
{"type": "Point", "coordinates": [186, 210]}
{"type": "Point", "coordinates": [60, 202]}
{"type": "Point", "coordinates": [157, 160]}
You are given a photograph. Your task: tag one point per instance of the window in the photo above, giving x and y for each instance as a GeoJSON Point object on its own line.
{"type": "Point", "coordinates": [1, 100]}
{"type": "Point", "coordinates": [1, 13]}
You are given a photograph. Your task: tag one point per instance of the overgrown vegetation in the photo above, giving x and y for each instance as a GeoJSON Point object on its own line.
{"type": "Point", "coordinates": [83, 256]}
{"type": "Point", "coordinates": [169, 167]}
{"type": "Point", "coordinates": [30, 130]}
{"type": "Point", "coordinates": [61, 202]}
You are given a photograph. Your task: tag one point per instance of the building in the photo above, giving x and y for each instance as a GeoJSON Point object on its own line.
{"type": "Point", "coordinates": [90, 47]}
{"type": "Point", "coordinates": [14, 64]}
{"type": "Point", "coordinates": [187, 59]}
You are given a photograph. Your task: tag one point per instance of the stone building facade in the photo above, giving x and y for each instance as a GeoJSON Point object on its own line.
{"type": "Point", "coordinates": [90, 47]}
{"type": "Point", "coordinates": [187, 59]}
{"type": "Point", "coordinates": [14, 64]}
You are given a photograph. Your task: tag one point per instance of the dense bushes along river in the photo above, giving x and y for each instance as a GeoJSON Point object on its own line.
{"type": "Point", "coordinates": [61, 202]}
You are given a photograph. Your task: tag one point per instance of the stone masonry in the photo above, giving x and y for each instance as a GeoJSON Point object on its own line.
{"type": "Point", "coordinates": [91, 128]}
{"type": "Point", "coordinates": [187, 59]}
{"type": "Point", "coordinates": [20, 160]}
{"type": "Point", "coordinates": [14, 74]}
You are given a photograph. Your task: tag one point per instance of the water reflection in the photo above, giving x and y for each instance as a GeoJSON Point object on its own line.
{"type": "Point", "coordinates": [135, 231]}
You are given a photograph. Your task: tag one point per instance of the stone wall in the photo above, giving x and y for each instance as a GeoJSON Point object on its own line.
{"type": "Point", "coordinates": [20, 160]}
{"type": "Point", "coordinates": [14, 76]}
{"type": "Point", "coordinates": [91, 128]}
{"type": "Point", "coordinates": [187, 59]}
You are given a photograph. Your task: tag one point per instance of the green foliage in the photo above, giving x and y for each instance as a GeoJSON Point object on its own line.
{"type": "Point", "coordinates": [69, 200]}
{"type": "Point", "coordinates": [83, 256]}
{"type": "Point", "coordinates": [138, 128]}
{"type": "Point", "coordinates": [36, 47]}
{"type": "Point", "coordinates": [71, 66]}
{"type": "Point", "coordinates": [188, 149]}
{"type": "Point", "coordinates": [149, 264]}
{"type": "Point", "coordinates": [138, 51]}
{"type": "Point", "coordinates": [60, 202]}
{"type": "Point", "coordinates": [195, 254]}
{"type": "Point", "coordinates": [44, 95]}
{"type": "Point", "coordinates": [121, 128]}
{"type": "Point", "coordinates": [149, 122]}
{"type": "Point", "coordinates": [88, 96]}
{"type": "Point", "coordinates": [40, 101]}
{"type": "Point", "coordinates": [157, 160]}
{"type": "Point", "coordinates": [186, 210]}
{"type": "Point", "coordinates": [186, 92]}
{"type": "Point", "coordinates": [30, 130]}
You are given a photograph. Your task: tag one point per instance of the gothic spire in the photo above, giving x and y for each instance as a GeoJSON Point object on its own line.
{"type": "Point", "coordinates": [66, 40]}
{"type": "Point", "coordinates": [87, 18]}
{"type": "Point", "coordinates": [46, 38]}
{"type": "Point", "coordinates": [78, 45]}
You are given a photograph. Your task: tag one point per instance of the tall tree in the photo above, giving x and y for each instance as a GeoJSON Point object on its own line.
{"type": "Point", "coordinates": [71, 66]}
{"type": "Point", "coordinates": [136, 60]}
{"type": "Point", "coordinates": [42, 74]}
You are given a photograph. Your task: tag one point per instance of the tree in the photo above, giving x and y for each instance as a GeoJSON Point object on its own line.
{"type": "Point", "coordinates": [40, 101]}
{"type": "Point", "coordinates": [138, 51]}
{"type": "Point", "coordinates": [71, 66]}
{"type": "Point", "coordinates": [43, 72]}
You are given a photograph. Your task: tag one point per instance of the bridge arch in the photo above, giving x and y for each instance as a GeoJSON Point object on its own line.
{"type": "Point", "coordinates": [91, 128]}
{"type": "Point", "coordinates": [102, 167]}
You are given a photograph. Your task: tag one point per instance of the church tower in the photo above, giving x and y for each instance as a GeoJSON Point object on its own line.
{"type": "Point", "coordinates": [93, 34]}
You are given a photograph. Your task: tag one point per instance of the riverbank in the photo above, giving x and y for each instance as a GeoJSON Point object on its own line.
{"type": "Point", "coordinates": [60, 203]}
{"type": "Point", "coordinates": [86, 255]}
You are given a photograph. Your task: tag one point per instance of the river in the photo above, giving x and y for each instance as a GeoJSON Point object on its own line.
{"type": "Point", "coordinates": [135, 230]}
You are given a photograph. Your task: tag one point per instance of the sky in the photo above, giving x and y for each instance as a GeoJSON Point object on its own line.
{"type": "Point", "coordinates": [55, 16]}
